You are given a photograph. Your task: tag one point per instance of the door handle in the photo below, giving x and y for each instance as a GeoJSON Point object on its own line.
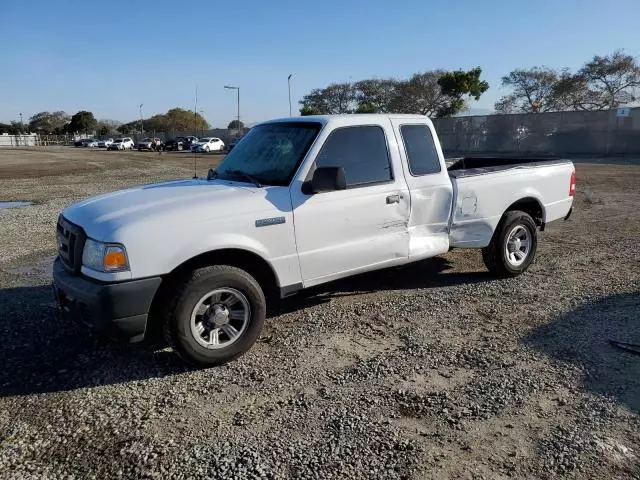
{"type": "Point", "coordinates": [393, 199]}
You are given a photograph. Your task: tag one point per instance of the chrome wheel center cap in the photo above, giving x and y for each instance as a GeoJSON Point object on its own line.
{"type": "Point", "coordinates": [220, 317]}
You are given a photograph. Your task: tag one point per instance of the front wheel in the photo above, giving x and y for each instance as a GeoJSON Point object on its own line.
{"type": "Point", "coordinates": [215, 316]}
{"type": "Point", "coordinates": [513, 246]}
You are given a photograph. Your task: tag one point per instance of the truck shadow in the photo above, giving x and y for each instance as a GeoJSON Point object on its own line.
{"type": "Point", "coordinates": [581, 337]}
{"type": "Point", "coordinates": [430, 273]}
{"type": "Point", "coordinates": [42, 352]}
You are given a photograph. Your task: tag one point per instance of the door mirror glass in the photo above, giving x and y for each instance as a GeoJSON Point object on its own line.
{"type": "Point", "coordinates": [325, 179]}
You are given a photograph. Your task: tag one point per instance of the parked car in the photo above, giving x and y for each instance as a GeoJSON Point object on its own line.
{"type": "Point", "coordinates": [125, 143]}
{"type": "Point", "coordinates": [190, 140]}
{"type": "Point", "coordinates": [149, 143]}
{"type": "Point", "coordinates": [346, 194]}
{"type": "Point", "coordinates": [105, 143]}
{"type": "Point", "coordinates": [78, 143]}
{"type": "Point", "coordinates": [178, 144]}
{"type": "Point", "coordinates": [208, 144]}
{"type": "Point", "coordinates": [89, 142]}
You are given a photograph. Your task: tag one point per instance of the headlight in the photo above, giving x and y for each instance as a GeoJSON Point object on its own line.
{"type": "Point", "coordinates": [104, 257]}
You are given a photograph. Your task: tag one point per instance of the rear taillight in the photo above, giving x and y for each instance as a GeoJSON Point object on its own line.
{"type": "Point", "coordinates": [572, 184]}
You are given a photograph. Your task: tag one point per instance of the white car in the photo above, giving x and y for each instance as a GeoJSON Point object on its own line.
{"type": "Point", "coordinates": [208, 144]}
{"type": "Point", "coordinates": [125, 143]}
{"type": "Point", "coordinates": [90, 142]}
{"type": "Point", "coordinates": [307, 200]}
{"type": "Point", "coordinates": [105, 143]}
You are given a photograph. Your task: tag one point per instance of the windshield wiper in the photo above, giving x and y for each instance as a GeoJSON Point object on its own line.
{"type": "Point", "coordinates": [241, 174]}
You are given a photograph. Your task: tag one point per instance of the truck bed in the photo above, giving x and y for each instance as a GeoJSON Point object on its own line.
{"type": "Point", "coordinates": [475, 165]}
{"type": "Point", "coordinates": [485, 187]}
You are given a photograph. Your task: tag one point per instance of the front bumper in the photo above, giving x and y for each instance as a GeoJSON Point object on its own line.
{"type": "Point", "coordinates": [118, 310]}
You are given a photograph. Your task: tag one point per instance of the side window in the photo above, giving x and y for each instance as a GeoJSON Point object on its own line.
{"type": "Point", "coordinates": [361, 151]}
{"type": "Point", "coordinates": [421, 149]}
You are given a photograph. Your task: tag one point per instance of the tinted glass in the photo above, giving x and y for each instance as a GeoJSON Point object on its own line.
{"type": "Point", "coordinates": [361, 151]}
{"type": "Point", "coordinates": [421, 149]}
{"type": "Point", "coordinates": [271, 153]}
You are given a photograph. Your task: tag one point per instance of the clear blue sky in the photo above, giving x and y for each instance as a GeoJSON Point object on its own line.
{"type": "Point", "coordinates": [109, 58]}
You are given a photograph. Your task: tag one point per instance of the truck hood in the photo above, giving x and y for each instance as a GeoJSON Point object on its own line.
{"type": "Point", "coordinates": [173, 203]}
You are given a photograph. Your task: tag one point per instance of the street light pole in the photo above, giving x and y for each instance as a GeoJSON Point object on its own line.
{"type": "Point", "coordinates": [289, 85]}
{"type": "Point", "coordinates": [141, 122]}
{"type": "Point", "coordinates": [202, 115]}
{"type": "Point", "coordinates": [238, 90]}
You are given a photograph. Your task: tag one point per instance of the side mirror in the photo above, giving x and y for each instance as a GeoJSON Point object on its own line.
{"type": "Point", "coordinates": [325, 179]}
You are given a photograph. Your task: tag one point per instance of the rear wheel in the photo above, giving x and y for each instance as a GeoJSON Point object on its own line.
{"type": "Point", "coordinates": [215, 316]}
{"type": "Point", "coordinates": [513, 246]}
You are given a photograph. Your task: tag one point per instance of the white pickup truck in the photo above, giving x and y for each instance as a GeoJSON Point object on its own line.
{"type": "Point", "coordinates": [298, 202]}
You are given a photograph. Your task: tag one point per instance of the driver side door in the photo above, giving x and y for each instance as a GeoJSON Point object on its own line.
{"type": "Point", "coordinates": [360, 228]}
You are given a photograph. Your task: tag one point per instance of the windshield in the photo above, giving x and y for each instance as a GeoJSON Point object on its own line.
{"type": "Point", "coordinates": [205, 140]}
{"type": "Point", "coordinates": [270, 153]}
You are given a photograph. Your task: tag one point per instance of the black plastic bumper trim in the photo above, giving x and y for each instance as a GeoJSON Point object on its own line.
{"type": "Point", "coordinates": [117, 309]}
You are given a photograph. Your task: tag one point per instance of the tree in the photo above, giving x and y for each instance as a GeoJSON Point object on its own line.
{"type": "Point", "coordinates": [375, 95]}
{"type": "Point", "coordinates": [48, 123]}
{"type": "Point", "coordinates": [106, 127]}
{"type": "Point", "coordinates": [367, 107]}
{"type": "Point", "coordinates": [457, 86]}
{"type": "Point", "coordinates": [309, 110]}
{"type": "Point", "coordinates": [82, 121]}
{"type": "Point", "coordinates": [334, 99]}
{"type": "Point", "coordinates": [233, 125]}
{"type": "Point", "coordinates": [14, 128]}
{"type": "Point", "coordinates": [532, 91]}
{"type": "Point", "coordinates": [125, 129]}
{"type": "Point", "coordinates": [615, 79]}
{"type": "Point", "coordinates": [430, 93]}
{"type": "Point", "coordinates": [175, 120]}
{"type": "Point", "coordinates": [179, 119]}
{"type": "Point", "coordinates": [421, 94]}
{"type": "Point", "coordinates": [572, 92]}
{"type": "Point", "coordinates": [601, 84]}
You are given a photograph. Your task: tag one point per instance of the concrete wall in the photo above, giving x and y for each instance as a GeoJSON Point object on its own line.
{"type": "Point", "coordinates": [562, 133]}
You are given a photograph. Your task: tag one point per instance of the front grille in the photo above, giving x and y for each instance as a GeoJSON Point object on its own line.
{"type": "Point", "coordinates": [71, 239]}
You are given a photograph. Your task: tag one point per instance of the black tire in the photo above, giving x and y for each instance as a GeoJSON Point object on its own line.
{"type": "Point", "coordinates": [495, 254]}
{"type": "Point", "coordinates": [177, 321]}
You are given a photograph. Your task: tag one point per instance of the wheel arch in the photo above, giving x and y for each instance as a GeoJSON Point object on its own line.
{"type": "Point", "coordinates": [530, 205]}
{"type": "Point", "coordinates": [251, 262]}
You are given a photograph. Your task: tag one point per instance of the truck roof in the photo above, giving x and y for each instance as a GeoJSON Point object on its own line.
{"type": "Point", "coordinates": [350, 118]}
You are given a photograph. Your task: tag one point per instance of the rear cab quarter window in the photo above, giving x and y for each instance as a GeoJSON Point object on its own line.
{"type": "Point", "coordinates": [362, 152]}
{"type": "Point", "coordinates": [422, 155]}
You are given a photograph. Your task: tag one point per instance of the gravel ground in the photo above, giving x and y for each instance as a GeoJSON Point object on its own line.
{"type": "Point", "coordinates": [432, 370]}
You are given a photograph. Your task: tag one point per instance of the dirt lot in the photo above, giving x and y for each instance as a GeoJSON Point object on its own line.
{"type": "Point", "coordinates": [434, 370]}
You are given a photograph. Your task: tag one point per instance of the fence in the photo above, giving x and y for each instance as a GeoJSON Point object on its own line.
{"type": "Point", "coordinates": [24, 140]}
{"type": "Point", "coordinates": [560, 133]}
